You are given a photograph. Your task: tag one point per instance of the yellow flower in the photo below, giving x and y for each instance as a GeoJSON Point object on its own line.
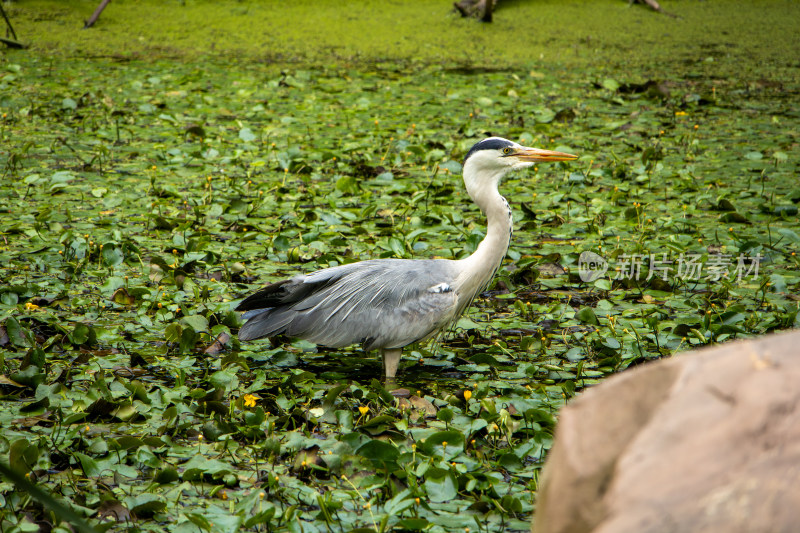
{"type": "Point", "coordinates": [680, 113]}
{"type": "Point", "coordinates": [250, 400]}
{"type": "Point", "coordinates": [31, 307]}
{"type": "Point", "coordinates": [467, 395]}
{"type": "Point", "coordinates": [363, 410]}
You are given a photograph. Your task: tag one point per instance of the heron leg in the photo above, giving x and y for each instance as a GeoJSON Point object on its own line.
{"type": "Point", "coordinates": [391, 359]}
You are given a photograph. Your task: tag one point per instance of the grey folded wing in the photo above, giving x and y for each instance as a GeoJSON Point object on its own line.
{"type": "Point", "coordinates": [383, 303]}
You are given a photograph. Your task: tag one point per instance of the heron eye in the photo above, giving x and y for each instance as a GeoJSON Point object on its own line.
{"type": "Point", "coordinates": [506, 150]}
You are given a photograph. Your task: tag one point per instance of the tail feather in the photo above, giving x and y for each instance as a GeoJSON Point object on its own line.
{"type": "Point", "coordinates": [267, 323]}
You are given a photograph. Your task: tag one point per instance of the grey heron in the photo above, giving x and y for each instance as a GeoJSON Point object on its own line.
{"type": "Point", "coordinates": [387, 304]}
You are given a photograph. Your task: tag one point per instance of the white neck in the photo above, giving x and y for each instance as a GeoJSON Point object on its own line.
{"type": "Point", "coordinates": [480, 267]}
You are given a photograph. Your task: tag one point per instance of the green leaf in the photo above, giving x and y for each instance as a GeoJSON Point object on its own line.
{"type": "Point", "coordinates": [199, 520]}
{"type": "Point", "coordinates": [173, 332]}
{"type": "Point", "coordinates": [347, 184]}
{"type": "Point", "coordinates": [31, 376]}
{"type": "Point", "coordinates": [587, 316]}
{"type": "Point", "coordinates": [611, 342]}
{"type": "Point", "coordinates": [188, 340]}
{"type": "Point", "coordinates": [378, 424]}
{"type": "Point", "coordinates": [262, 517]}
{"type": "Point", "coordinates": [112, 255]}
{"type": "Point", "coordinates": [414, 524]}
{"type": "Point", "coordinates": [610, 84]}
{"type": "Point", "coordinates": [22, 456]}
{"type": "Point", "coordinates": [445, 415]}
{"type": "Point", "coordinates": [602, 284]}
{"type": "Point", "coordinates": [787, 210]}
{"type": "Point", "coordinates": [725, 205]}
{"type": "Point", "coordinates": [166, 476]}
{"type": "Point", "coordinates": [777, 283]}
{"type": "Point", "coordinates": [440, 485]}
{"type": "Point", "coordinates": [447, 444]}
{"type": "Point", "coordinates": [198, 323]}
{"type": "Point", "coordinates": [734, 217]}
{"type": "Point", "coordinates": [330, 397]}
{"type": "Point", "coordinates": [789, 235]}
{"type": "Point", "coordinates": [225, 379]}
{"type": "Point", "coordinates": [247, 135]}
{"type": "Point", "coordinates": [82, 334]}
{"type": "Point", "coordinates": [399, 503]}
{"type": "Point", "coordinates": [88, 464]}
{"type": "Point", "coordinates": [59, 509]}
{"type": "Point", "coordinates": [280, 243]}
{"type": "Point", "coordinates": [380, 453]}
{"type": "Point", "coordinates": [15, 332]}
{"type": "Point", "coordinates": [145, 504]}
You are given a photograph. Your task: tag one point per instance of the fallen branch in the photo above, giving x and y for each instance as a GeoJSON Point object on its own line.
{"type": "Point", "coordinates": [13, 44]}
{"type": "Point", "coordinates": [476, 8]}
{"type": "Point", "coordinates": [654, 5]}
{"type": "Point", "coordinates": [651, 3]}
{"type": "Point", "coordinates": [10, 29]}
{"type": "Point", "coordinates": [96, 15]}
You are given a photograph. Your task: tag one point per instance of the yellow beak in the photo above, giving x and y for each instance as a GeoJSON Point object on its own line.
{"type": "Point", "coordinates": [544, 156]}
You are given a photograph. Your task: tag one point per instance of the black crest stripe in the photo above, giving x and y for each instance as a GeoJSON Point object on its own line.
{"type": "Point", "coordinates": [493, 143]}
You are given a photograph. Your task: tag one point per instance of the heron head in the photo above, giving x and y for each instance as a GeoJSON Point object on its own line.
{"type": "Point", "coordinates": [496, 155]}
{"type": "Point", "coordinates": [491, 159]}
